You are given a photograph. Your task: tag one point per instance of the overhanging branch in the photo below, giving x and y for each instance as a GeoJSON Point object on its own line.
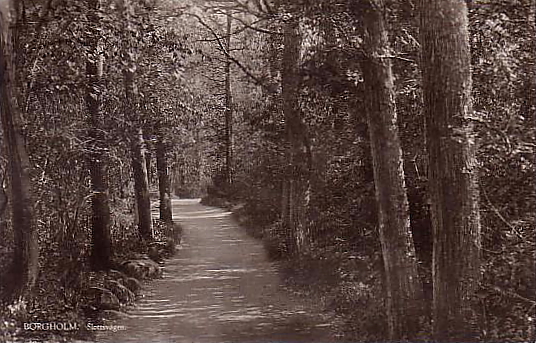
{"type": "Point", "coordinates": [222, 47]}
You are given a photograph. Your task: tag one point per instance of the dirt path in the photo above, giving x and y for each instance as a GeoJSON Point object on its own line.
{"type": "Point", "coordinates": [219, 288]}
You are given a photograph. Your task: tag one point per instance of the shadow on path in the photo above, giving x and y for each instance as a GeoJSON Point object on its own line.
{"type": "Point", "coordinates": [220, 287]}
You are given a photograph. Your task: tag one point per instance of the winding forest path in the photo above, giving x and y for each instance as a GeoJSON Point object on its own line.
{"type": "Point", "coordinates": [220, 287]}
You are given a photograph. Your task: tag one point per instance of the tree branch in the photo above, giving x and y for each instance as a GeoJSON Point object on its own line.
{"type": "Point", "coordinates": [502, 292]}
{"type": "Point", "coordinates": [257, 80]}
{"type": "Point", "coordinates": [500, 216]}
{"type": "Point", "coordinates": [250, 26]}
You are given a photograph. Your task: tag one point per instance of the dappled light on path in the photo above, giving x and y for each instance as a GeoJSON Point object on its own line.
{"type": "Point", "coordinates": [220, 287]}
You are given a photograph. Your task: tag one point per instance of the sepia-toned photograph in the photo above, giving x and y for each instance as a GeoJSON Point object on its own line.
{"type": "Point", "coordinates": [267, 171]}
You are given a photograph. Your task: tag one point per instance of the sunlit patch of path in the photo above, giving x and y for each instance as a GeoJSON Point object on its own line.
{"type": "Point", "coordinates": [219, 288]}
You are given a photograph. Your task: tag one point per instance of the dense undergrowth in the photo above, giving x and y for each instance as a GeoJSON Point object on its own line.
{"type": "Point", "coordinates": [69, 293]}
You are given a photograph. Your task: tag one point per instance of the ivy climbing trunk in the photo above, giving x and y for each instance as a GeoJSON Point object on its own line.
{"type": "Point", "coordinates": [24, 267]}
{"type": "Point", "coordinates": [133, 116]}
{"type": "Point", "coordinates": [453, 184]}
{"type": "Point", "coordinates": [101, 248]}
{"type": "Point", "coordinates": [164, 184]}
{"type": "Point", "coordinates": [402, 287]}
{"type": "Point", "coordinates": [296, 186]}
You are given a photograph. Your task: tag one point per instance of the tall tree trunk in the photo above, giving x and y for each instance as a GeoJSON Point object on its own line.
{"type": "Point", "coordinates": [5, 294]}
{"type": "Point", "coordinates": [148, 165]}
{"type": "Point", "coordinates": [137, 146]}
{"type": "Point", "coordinates": [164, 184]}
{"type": "Point", "coordinates": [453, 170]}
{"type": "Point", "coordinates": [141, 185]}
{"type": "Point", "coordinates": [24, 267]}
{"type": "Point", "coordinates": [101, 248]}
{"type": "Point", "coordinates": [296, 186]}
{"type": "Point", "coordinates": [228, 110]}
{"type": "Point", "coordinates": [534, 49]}
{"type": "Point", "coordinates": [3, 198]}
{"type": "Point", "coordinates": [404, 293]}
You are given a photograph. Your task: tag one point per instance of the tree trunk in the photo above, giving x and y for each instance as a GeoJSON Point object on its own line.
{"type": "Point", "coordinates": [228, 111]}
{"type": "Point", "coordinates": [3, 199]}
{"type": "Point", "coordinates": [404, 293]}
{"type": "Point", "coordinates": [164, 184]}
{"type": "Point", "coordinates": [139, 166]}
{"type": "Point", "coordinates": [25, 264]}
{"type": "Point", "coordinates": [148, 165]}
{"type": "Point", "coordinates": [101, 248]}
{"type": "Point", "coordinates": [296, 186]}
{"type": "Point", "coordinates": [453, 170]}
{"type": "Point", "coordinates": [141, 186]}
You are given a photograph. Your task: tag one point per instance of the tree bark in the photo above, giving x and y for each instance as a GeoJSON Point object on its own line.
{"type": "Point", "coordinates": [139, 166]}
{"type": "Point", "coordinates": [148, 165]}
{"type": "Point", "coordinates": [296, 188]}
{"type": "Point", "coordinates": [141, 185]}
{"type": "Point", "coordinates": [25, 263]}
{"type": "Point", "coordinates": [403, 289]}
{"type": "Point", "coordinates": [3, 199]}
{"type": "Point", "coordinates": [101, 248]}
{"type": "Point", "coordinates": [228, 110]}
{"type": "Point", "coordinates": [453, 170]}
{"type": "Point", "coordinates": [164, 184]}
